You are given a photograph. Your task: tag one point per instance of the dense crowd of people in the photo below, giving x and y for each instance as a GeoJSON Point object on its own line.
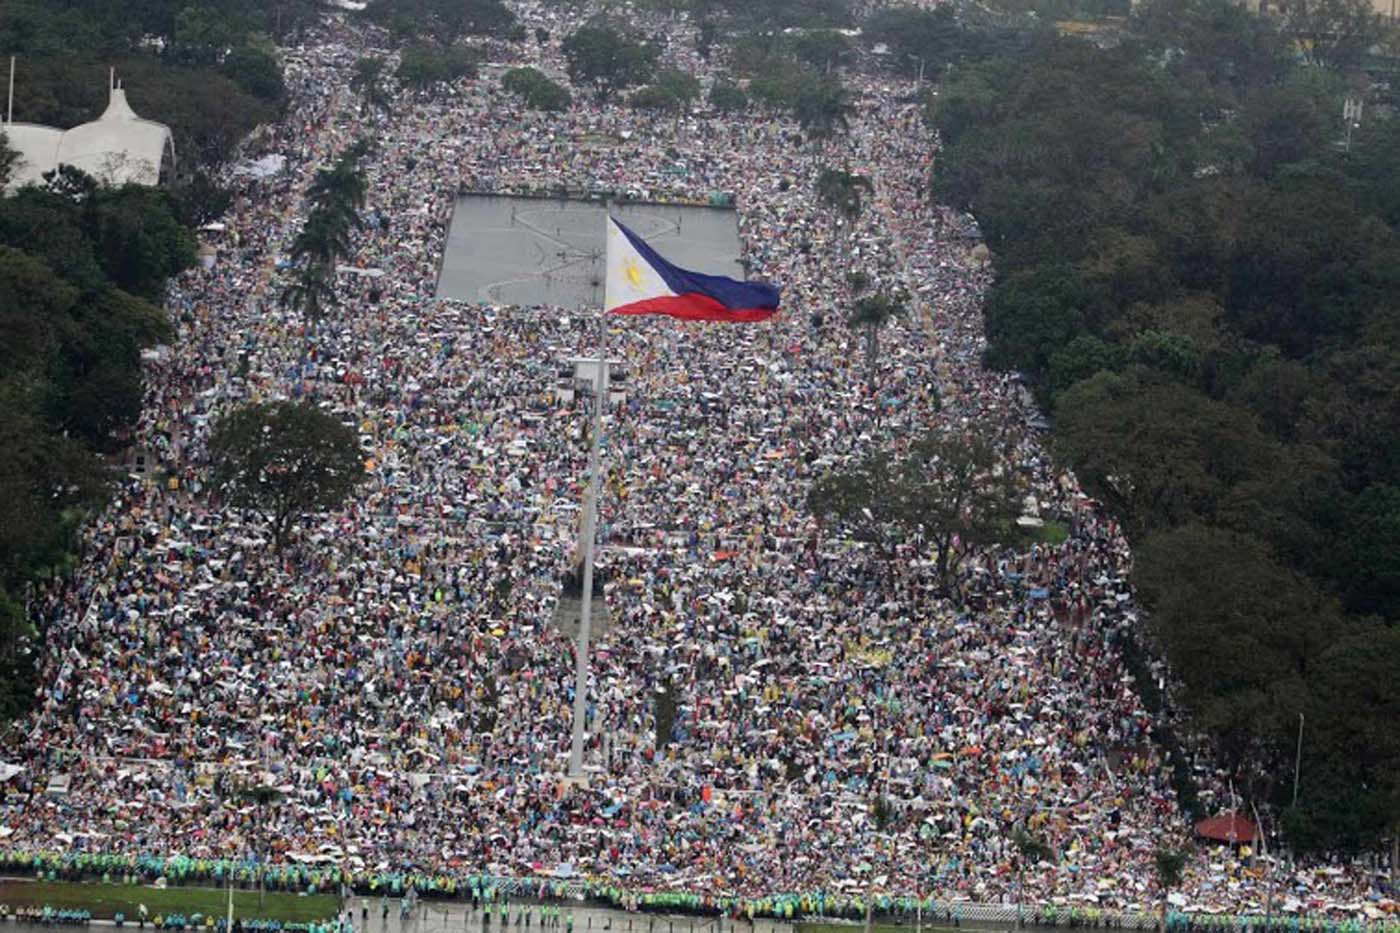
{"type": "Point", "coordinates": [398, 671]}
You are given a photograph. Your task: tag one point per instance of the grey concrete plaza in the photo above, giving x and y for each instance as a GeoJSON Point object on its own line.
{"type": "Point", "coordinates": [534, 251]}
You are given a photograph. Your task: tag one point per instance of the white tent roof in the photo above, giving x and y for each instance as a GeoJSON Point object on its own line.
{"type": "Point", "coordinates": [37, 147]}
{"type": "Point", "coordinates": [118, 147]}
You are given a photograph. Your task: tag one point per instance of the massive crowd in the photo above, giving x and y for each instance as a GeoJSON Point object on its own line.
{"type": "Point", "coordinates": [398, 670]}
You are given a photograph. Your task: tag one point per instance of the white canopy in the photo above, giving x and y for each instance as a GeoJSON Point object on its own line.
{"type": "Point", "coordinates": [117, 148]}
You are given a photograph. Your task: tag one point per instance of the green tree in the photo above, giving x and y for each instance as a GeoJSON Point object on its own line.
{"type": "Point", "coordinates": [728, 98]}
{"type": "Point", "coordinates": [843, 192]}
{"type": "Point", "coordinates": [972, 98]}
{"type": "Point", "coordinates": [1031, 314]}
{"type": "Point", "coordinates": [324, 239]}
{"type": "Point", "coordinates": [917, 40]}
{"type": "Point", "coordinates": [1219, 42]}
{"type": "Point", "coordinates": [1331, 33]}
{"type": "Point", "coordinates": [778, 81]}
{"type": "Point", "coordinates": [539, 92]}
{"type": "Point", "coordinates": [284, 460]}
{"type": "Point", "coordinates": [139, 241]}
{"type": "Point", "coordinates": [671, 91]}
{"type": "Point", "coordinates": [1283, 125]}
{"type": "Point", "coordinates": [1170, 865]}
{"type": "Point", "coordinates": [1369, 550]}
{"type": "Point", "coordinates": [604, 59]}
{"type": "Point", "coordinates": [94, 375]}
{"type": "Point", "coordinates": [1350, 781]}
{"type": "Point", "coordinates": [444, 20]}
{"type": "Point", "coordinates": [823, 109]}
{"type": "Point", "coordinates": [340, 190]}
{"type": "Point", "coordinates": [1159, 453]}
{"type": "Point", "coordinates": [776, 15]}
{"type": "Point", "coordinates": [256, 70]}
{"type": "Point", "coordinates": [871, 313]}
{"type": "Point", "coordinates": [51, 228]}
{"type": "Point", "coordinates": [822, 49]}
{"type": "Point", "coordinates": [1307, 266]}
{"type": "Point", "coordinates": [949, 492]}
{"type": "Point", "coordinates": [1369, 168]}
{"type": "Point", "coordinates": [203, 35]}
{"type": "Point", "coordinates": [1082, 357]}
{"type": "Point", "coordinates": [1244, 633]}
{"type": "Point", "coordinates": [423, 66]}
{"type": "Point", "coordinates": [200, 198]}
{"type": "Point", "coordinates": [1030, 850]}
{"type": "Point", "coordinates": [311, 290]}
{"type": "Point", "coordinates": [368, 82]}
{"type": "Point", "coordinates": [10, 160]}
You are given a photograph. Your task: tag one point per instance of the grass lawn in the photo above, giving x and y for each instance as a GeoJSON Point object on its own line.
{"type": "Point", "coordinates": [104, 900]}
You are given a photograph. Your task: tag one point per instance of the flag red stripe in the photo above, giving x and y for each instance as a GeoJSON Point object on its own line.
{"type": "Point", "coordinates": [694, 307]}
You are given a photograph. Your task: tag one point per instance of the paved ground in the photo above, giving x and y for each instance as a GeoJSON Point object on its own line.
{"type": "Point", "coordinates": [451, 917]}
{"type": "Point", "coordinates": [530, 251]}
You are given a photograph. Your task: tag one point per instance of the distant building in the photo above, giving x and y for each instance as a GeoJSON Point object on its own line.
{"type": "Point", "coordinates": [117, 148]}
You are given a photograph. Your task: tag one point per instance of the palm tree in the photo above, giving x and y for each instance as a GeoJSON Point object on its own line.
{"type": "Point", "coordinates": [338, 192]}
{"type": "Point", "coordinates": [324, 239]}
{"type": "Point", "coordinates": [1029, 850]}
{"type": "Point", "coordinates": [1171, 865]}
{"type": "Point", "coordinates": [873, 312]}
{"type": "Point", "coordinates": [843, 192]}
{"type": "Point", "coordinates": [823, 109]}
{"type": "Point", "coordinates": [341, 189]}
{"type": "Point", "coordinates": [367, 81]}
{"type": "Point", "coordinates": [312, 291]}
{"type": "Point", "coordinates": [262, 795]}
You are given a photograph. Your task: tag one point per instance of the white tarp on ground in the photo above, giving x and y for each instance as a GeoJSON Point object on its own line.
{"type": "Point", "coordinates": [266, 167]}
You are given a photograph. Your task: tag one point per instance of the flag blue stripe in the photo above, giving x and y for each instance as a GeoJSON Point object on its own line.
{"type": "Point", "coordinates": [731, 293]}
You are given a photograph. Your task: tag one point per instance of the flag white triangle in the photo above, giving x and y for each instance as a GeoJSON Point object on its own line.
{"type": "Point", "coordinates": [630, 277]}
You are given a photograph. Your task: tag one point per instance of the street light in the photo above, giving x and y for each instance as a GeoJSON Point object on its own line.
{"type": "Point", "coordinates": [594, 371]}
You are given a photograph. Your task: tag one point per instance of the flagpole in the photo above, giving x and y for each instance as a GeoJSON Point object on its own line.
{"type": "Point", "coordinates": [590, 521]}
{"type": "Point", "coordinates": [590, 530]}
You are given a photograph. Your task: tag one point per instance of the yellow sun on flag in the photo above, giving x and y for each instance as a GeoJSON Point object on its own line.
{"type": "Point", "coordinates": [633, 273]}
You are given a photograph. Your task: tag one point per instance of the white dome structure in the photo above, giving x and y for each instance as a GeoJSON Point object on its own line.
{"type": "Point", "coordinates": [117, 148]}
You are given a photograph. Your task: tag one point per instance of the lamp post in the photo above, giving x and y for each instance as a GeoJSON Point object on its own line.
{"type": "Point", "coordinates": [600, 367]}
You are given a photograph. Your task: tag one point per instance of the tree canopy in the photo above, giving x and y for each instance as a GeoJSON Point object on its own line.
{"type": "Point", "coordinates": [604, 58]}
{"type": "Point", "coordinates": [538, 91]}
{"type": "Point", "coordinates": [946, 494]}
{"type": "Point", "coordinates": [284, 460]}
{"type": "Point", "coordinates": [80, 266]}
{"type": "Point", "coordinates": [1200, 284]}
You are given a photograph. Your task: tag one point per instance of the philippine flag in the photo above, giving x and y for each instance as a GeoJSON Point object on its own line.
{"type": "Point", "coordinates": [641, 282]}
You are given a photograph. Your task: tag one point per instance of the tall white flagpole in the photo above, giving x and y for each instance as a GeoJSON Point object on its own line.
{"type": "Point", "coordinates": [590, 526]}
{"type": "Point", "coordinates": [590, 522]}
